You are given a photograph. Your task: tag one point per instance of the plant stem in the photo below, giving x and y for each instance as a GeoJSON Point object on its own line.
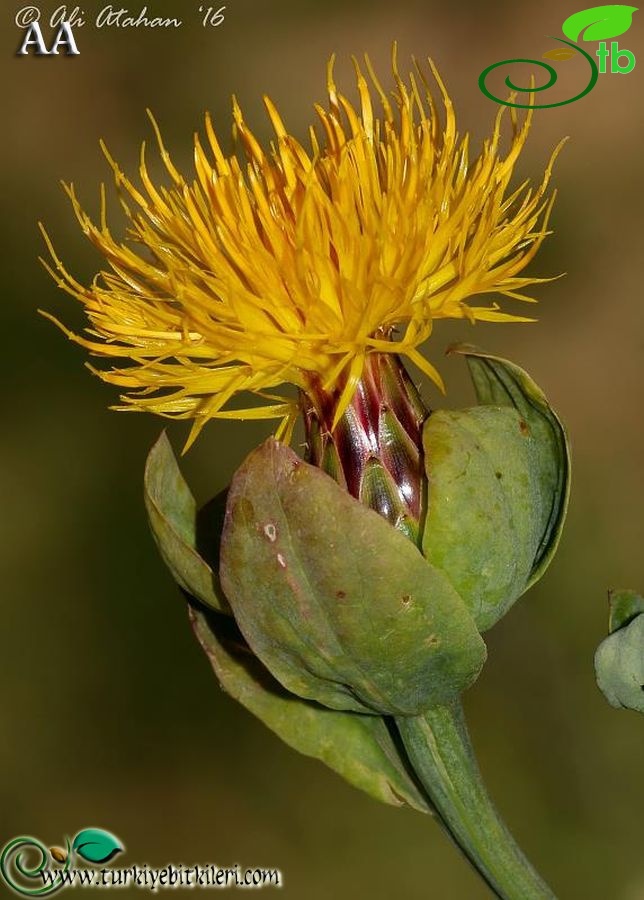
{"type": "Point", "coordinates": [439, 749]}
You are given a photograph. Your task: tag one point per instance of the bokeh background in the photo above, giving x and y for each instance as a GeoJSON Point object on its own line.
{"type": "Point", "coordinates": [110, 714]}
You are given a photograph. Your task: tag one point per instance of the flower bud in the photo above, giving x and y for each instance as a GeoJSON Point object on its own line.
{"type": "Point", "coordinates": [619, 661]}
{"type": "Point", "coordinates": [339, 605]}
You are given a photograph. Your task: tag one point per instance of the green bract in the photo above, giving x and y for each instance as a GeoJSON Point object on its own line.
{"type": "Point", "coordinates": [359, 748]}
{"type": "Point", "coordinates": [323, 618]}
{"type": "Point", "coordinates": [339, 605]}
{"type": "Point", "coordinates": [498, 478]}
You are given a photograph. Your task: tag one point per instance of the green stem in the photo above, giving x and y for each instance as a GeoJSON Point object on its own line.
{"type": "Point", "coordinates": [440, 751]}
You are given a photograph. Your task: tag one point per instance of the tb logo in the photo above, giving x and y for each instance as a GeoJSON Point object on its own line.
{"type": "Point", "coordinates": [615, 53]}
{"type": "Point", "coordinates": [33, 41]}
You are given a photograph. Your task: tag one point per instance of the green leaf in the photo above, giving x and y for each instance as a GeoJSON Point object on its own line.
{"type": "Point", "coordinates": [337, 604]}
{"type": "Point", "coordinates": [624, 605]}
{"type": "Point", "coordinates": [619, 666]}
{"type": "Point", "coordinates": [173, 517]}
{"type": "Point", "coordinates": [96, 845]}
{"type": "Point", "coordinates": [498, 478]}
{"type": "Point", "coordinates": [358, 747]}
{"type": "Point", "coordinates": [599, 23]}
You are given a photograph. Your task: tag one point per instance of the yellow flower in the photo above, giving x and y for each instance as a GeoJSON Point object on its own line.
{"type": "Point", "coordinates": [296, 264]}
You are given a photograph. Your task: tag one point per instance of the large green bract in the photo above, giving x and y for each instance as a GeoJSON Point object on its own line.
{"type": "Point", "coordinates": [358, 747]}
{"type": "Point", "coordinates": [339, 605]}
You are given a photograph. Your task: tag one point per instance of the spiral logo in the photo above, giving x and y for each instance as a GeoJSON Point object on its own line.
{"type": "Point", "coordinates": [17, 871]}
{"type": "Point", "coordinates": [552, 78]}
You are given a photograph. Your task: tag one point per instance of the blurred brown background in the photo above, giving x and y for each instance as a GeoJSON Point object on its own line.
{"type": "Point", "coordinates": [111, 716]}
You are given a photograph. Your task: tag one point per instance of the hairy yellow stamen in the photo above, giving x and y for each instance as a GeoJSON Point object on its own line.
{"type": "Point", "coordinates": [295, 265]}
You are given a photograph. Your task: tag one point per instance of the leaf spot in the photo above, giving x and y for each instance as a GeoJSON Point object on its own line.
{"type": "Point", "coordinates": [405, 599]}
{"type": "Point", "coordinates": [294, 471]}
{"type": "Point", "coordinates": [271, 532]}
{"type": "Point", "coordinates": [340, 595]}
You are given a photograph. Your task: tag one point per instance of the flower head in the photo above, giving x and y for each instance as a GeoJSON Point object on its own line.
{"type": "Point", "coordinates": [296, 264]}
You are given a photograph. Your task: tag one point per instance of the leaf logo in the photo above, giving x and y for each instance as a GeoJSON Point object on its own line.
{"type": "Point", "coordinates": [599, 23]}
{"type": "Point", "coordinates": [95, 845]}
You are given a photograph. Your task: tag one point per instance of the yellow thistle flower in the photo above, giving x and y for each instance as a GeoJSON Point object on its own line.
{"type": "Point", "coordinates": [295, 265]}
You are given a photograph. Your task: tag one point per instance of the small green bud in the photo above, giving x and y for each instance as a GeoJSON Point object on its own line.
{"type": "Point", "coordinates": [619, 660]}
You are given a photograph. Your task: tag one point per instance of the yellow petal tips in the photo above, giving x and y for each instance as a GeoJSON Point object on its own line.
{"type": "Point", "coordinates": [290, 265]}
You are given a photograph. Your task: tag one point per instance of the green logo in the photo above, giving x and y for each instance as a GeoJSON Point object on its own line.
{"type": "Point", "coordinates": [26, 859]}
{"type": "Point", "coordinates": [598, 23]}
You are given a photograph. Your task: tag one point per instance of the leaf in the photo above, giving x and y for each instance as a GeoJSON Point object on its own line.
{"type": "Point", "coordinates": [619, 666]}
{"type": "Point", "coordinates": [174, 521]}
{"type": "Point", "coordinates": [96, 845]}
{"type": "Point", "coordinates": [600, 22]}
{"type": "Point", "coordinates": [559, 53]}
{"type": "Point", "coordinates": [337, 604]}
{"type": "Point", "coordinates": [623, 605]}
{"type": "Point", "coordinates": [358, 747]}
{"type": "Point", "coordinates": [498, 477]}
